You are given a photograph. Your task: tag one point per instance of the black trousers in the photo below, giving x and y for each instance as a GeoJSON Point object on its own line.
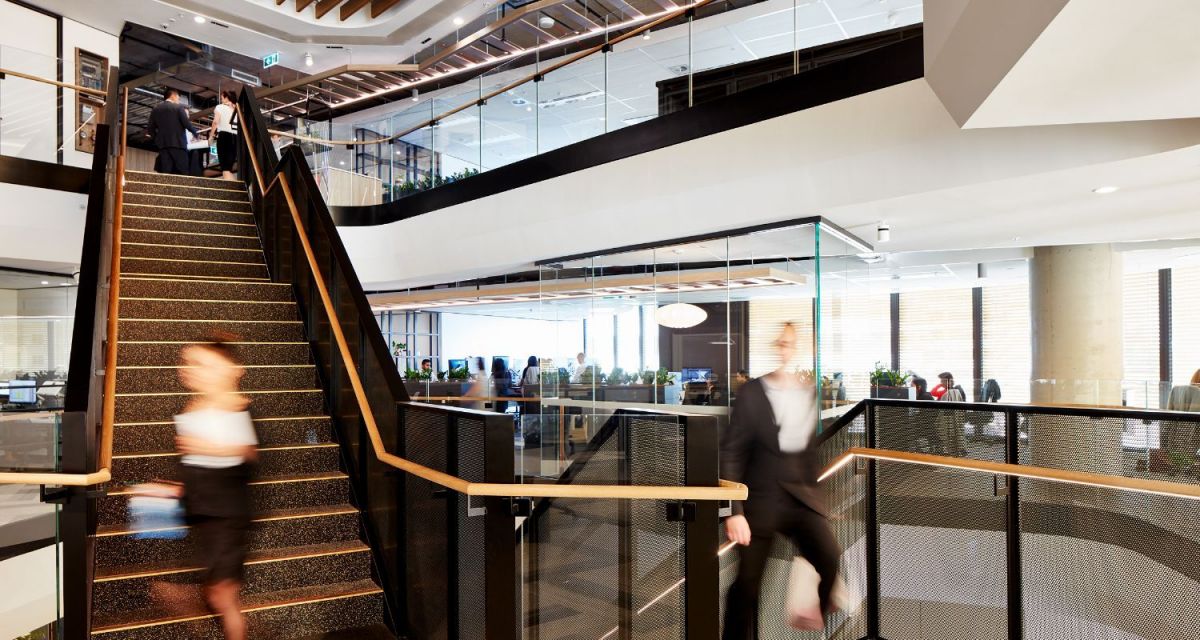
{"type": "Point", "coordinates": [811, 534]}
{"type": "Point", "coordinates": [172, 160]}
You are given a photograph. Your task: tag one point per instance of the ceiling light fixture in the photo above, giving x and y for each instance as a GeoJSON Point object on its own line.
{"type": "Point", "coordinates": [680, 315]}
{"type": "Point", "coordinates": [545, 21]}
{"type": "Point", "coordinates": [883, 232]}
{"type": "Point", "coordinates": [458, 21]}
{"type": "Point", "coordinates": [1105, 190]}
{"type": "Point", "coordinates": [308, 59]}
{"type": "Point", "coordinates": [200, 19]}
{"type": "Point", "coordinates": [45, 282]}
{"type": "Point", "coordinates": [416, 95]}
{"type": "Point", "coordinates": [646, 35]}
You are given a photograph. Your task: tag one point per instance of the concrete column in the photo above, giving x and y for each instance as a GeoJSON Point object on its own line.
{"type": "Point", "coordinates": [1076, 314]}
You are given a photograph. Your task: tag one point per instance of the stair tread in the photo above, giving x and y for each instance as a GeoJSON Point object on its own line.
{"type": "Point", "coordinates": [251, 602]}
{"type": "Point", "coordinates": [146, 176]}
{"type": "Point", "coordinates": [284, 447]}
{"type": "Point", "coordinates": [302, 477]}
{"type": "Point", "coordinates": [276, 554]}
{"type": "Point", "coordinates": [263, 516]}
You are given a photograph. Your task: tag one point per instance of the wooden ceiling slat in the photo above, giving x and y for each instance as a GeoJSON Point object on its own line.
{"type": "Point", "coordinates": [352, 7]}
{"type": "Point", "coordinates": [325, 6]}
{"type": "Point", "coordinates": [379, 6]}
{"type": "Point", "coordinates": [301, 5]}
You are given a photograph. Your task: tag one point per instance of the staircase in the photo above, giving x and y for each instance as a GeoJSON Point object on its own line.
{"type": "Point", "coordinates": [191, 263]}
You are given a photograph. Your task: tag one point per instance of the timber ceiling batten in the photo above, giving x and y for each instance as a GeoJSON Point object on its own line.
{"type": "Point", "coordinates": [346, 8]}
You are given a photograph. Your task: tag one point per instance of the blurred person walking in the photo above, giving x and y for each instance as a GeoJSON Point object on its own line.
{"type": "Point", "coordinates": [216, 436]}
{"type": "Point", "coordinates": [767, 447]}
{"type": "Point", "coordinates": [224, 131]}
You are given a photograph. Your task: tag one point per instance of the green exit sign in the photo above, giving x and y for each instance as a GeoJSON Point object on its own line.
{"type": "Point", "coordinates": [271, 60]}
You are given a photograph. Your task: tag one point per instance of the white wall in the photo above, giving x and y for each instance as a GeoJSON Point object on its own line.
{"type": "Point", "coordinates": [472, 335]}
{"type": "Point", "coordinates": [42, 224]}
{"type": "Point", "coordinates": [93, 41]}
{"type": "Point", "coordinates": [28, 42]}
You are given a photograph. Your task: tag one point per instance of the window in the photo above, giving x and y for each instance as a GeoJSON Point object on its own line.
{"type": "Point", "coordinates": [1140, 339]}
{"type": "Point", "coordinates": [856, 332]}
{"type": "Point", "coordinates": [766, 317]}
{"type": "Point", "coordinates": [935, 335]}
{"type": "Point", "coordinates": [1185, 318]}
{"type": "Point", "coordinates": [1007, 340]}
{"type": "Point", "coordinates": [629, 340]}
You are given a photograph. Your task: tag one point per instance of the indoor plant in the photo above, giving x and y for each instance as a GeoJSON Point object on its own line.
{"type": "Point", "coordinates": [888, 383]}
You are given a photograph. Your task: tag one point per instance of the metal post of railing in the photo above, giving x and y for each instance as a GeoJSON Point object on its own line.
{"type": "Point", "coordinates": [1012, 455]}
{"type": "Point", "coordinates": [502, 587]}
{"type": "Point", "coordinates": [702, 566]}
{"type": "Point", "coordinates": [624, 538]}
{"type": "Point", "coordinates": [871, 518]}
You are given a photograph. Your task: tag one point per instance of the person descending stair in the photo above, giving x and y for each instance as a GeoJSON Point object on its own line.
{"type": "Point", "coordinates": [190, 264]}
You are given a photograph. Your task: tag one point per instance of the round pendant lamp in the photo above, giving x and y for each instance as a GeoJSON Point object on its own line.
{"type": "Point", "coordinates": [680, 315]}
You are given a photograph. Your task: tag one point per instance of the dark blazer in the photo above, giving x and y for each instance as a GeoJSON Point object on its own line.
{"type": "Point", "coordinates": [168, 121]}
{"type": "Point", "coordinates": [750, 454]}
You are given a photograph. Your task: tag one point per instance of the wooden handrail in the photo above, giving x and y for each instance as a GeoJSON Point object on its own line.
{"type": "Point", "coordinates": [64, 479]}
{"type": "Point", "coordinates": [57, 83]}
{"type": "Point", "coordinates": [512, 85]}
{"type": "Point", "coordinates": [114, 301]}
{"type": "Point", "coordinates": [725, 491]}
{"type": "Point", "coordinates": [1098, 480]}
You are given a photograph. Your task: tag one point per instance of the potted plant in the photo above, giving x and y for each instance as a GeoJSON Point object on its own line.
{"type": "Point", "coordinates": [412, 375]}
{"type": "Point", "coordinates": [459, 373]}
{"type": "Point", "coordinates": [663, 379]}
{"type": "Point", "coordinates": [617, 376]}
{"type": "Point", "coordinates": [888, 383]}
{"type": "Point", "coordinates": [398, 349]}
{"type": "Point", "coordinates": [648, 376]}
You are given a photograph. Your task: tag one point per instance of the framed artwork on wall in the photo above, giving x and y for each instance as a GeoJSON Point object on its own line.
{"type": "Point", "coordinates": [91, 71]}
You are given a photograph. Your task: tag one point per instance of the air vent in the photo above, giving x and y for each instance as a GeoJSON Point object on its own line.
{"type": "Point", "coordinates": [426, 40]}
{"type": "Point", "coordinates": [218, 24]}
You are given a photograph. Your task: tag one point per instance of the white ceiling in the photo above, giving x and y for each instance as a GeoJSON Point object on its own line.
{"type": "Point", "coordinates": [579, 101]}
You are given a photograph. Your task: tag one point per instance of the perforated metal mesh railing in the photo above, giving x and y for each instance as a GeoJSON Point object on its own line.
{"type": "Point", "coordinates": [1099, 562]}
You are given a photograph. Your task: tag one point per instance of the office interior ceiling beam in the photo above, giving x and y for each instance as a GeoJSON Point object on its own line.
{"type": "Point", "coordinates": [1045, 62]}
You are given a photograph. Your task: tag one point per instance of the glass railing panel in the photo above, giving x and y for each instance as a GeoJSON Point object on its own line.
{"type": "Point", "coordinates": [509, 119]}
{"type": "Point", "coordinates": [29, 439]}
{"type": "Point", "coordinates": [458, 134]}
{"type": "Point", "coordinates": [571, 103]}
{"type": "Point", "coordinates": [29, 109]}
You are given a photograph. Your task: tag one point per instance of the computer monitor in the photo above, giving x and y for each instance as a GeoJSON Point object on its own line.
{"type": "Point", "coordinates": [696, 374]}
{"type": "Point", "coordinates": [504, 359]}
{"type": "Point", "coordinates": [458, 363]}
{"type": "Point", "coordinates": [22, 392]}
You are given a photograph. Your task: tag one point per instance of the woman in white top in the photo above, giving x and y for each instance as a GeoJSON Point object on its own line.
{"type": "Point", "coordinates": [216, 437]}
{"type": "Point", "coordinates": [225, 131]}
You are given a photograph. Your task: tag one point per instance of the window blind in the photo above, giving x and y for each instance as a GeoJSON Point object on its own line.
{"type": "Point", "coordinates": [1140, 339]}
{"type": "Point", "coordinates": [855, 334]}
{"type": "Point", "coordinates": [935, 335]}
{"type": "Point", "coordinates": [766, 318]}
{"type": "Point", "coordinates": [1185, 321]}
{"type": "Point", "coordinates": [1007, 340]}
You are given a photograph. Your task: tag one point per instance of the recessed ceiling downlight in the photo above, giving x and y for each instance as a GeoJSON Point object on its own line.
{"type": "Point", "coordinates": [200, 19]}
{"type": "Point", "coordinates": [1106, 190]}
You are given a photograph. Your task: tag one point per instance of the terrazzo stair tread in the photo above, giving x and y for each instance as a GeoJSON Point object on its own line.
{"type": "Point", "coordinates": [276, 492]}
{"type": "Point", "coordinates": [135, 287]}
{"type": "Point", "coordinates": [134, 587]}
{"type": "Point", "coordinates": [196, 181]}
{"type": "Point", "coordinates": [286, 613]}
{"type": "Point", "coordinates": [166, 309]}
{"type": "Point", "coordinates": [165, 379]}
{"type": "Point", "coordinates": [143, 223]}
{"type": "Point", "coordinates": [198, 213]}
{"type": "Point", "coordinates": [142, 354]}
{"type": "Point", "coordinates": [115, 544]}
{"type": "Point", "coordinates": [150, 330]}
{"type": "Point", "coordinates": [189, 239]}
{"type": "Point", "coordinates": [189, 267]}
{"type": "Point", "coordinates": [161, 407]}
{"type": "Point", "coordinates": [272, 462]}
{"type": "Point", "coordinates": [372, 632]}
{"type": "Point", "coordinates": [201, 192]}
{"type": "Point", "coordinates": [188, 202]}
{"type": "Point", "coordinates": [176, 252]}
{"type": "Point", "coordinates": [272, 432]}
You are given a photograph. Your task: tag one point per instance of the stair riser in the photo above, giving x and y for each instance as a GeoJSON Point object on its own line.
{"type": "Point", "coordinates": [175, 213]}
{"type": "Point", "coordinates": [211, 204]}
{"type": "Point", "coordinates": [132, 222]}
{"type": "Point", "coordinates": [163, 408]}
{"type": "Point", "coordinates": [190, 239]}
{"type": "Point", "coordinates": [247, 256]}
{"type": "Point", "coordinates": [256, 379]}
{"type": "Point", "coordinates": [196, 269]}
{"type": "Point", "coordinates": [147, 354]}
{"type": "Point", "coordinates": [113, 509]}
{"type": "Point", "coordinates": [123, 550]}
{"type": "Point", "coordinates": [184, 331]}
{"type": "Point", "coordinates": [270, 463]}
{"type": "Point", "coordinates": [198, 310]}
{"type": "Point", "coordinates": [184, 181]}
{"type": "Point", "coordinates": [281, 622]}
{"type": "Point", "coordinates": [131, 594]}
{"type": "Point", "coordinates": [201, 192]}
{"type": "Point", "coordinates": [135, 438]}
{"type": "Point", "coordinates": [200, 290]}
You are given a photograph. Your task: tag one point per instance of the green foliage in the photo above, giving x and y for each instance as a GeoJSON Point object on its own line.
{"type": "Point", "coordinates": [662, 378]}
{"type": "Point", "coordinates": [618, 376]}
{"type": "Point", "coordinates": [459, 373]}
{"type": "Point", "coordinates": [412, 374]}
{"type": "Point", "coordinates": [648, 376]}
{"type": "Point", "coordinates": [885, 377]}
{"type": "Point", "coordinates": [409, 187]}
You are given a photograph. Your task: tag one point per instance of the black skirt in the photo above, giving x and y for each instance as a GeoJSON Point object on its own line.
{"type": "Point", "coordinates": [217, 504]}
{"type": "Point", "coordinates": [226, 149]}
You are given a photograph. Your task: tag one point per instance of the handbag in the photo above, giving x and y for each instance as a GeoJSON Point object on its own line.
{"type": "Point", "coordinates": [803, 605]}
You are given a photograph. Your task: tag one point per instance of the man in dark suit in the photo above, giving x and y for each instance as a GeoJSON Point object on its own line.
{"type": "Point", "coordinates": [767, 447]}
{"type": "Point", "coordinates": [168, 123]}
